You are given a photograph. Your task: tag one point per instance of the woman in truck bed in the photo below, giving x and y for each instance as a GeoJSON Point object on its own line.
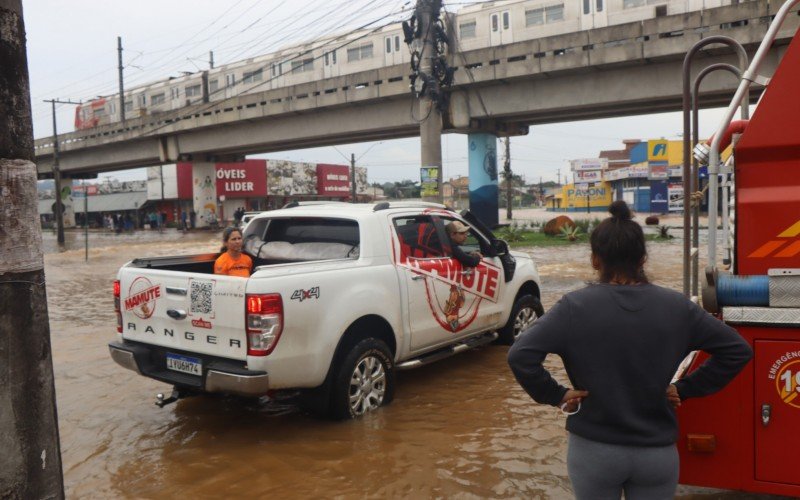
{"type": "Point", "coordinates": [232, 261]}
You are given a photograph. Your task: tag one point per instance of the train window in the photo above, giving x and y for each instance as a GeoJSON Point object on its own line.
{"type": "Point", "coordinates": [506, 20]}
{"type": "Point", "coordinates": [587, 6]}
{"type": "Point", "coordinates": [599, 6]}
{"type": "Point", "coordinates": [157, 99]}
{"type": "Point", "coordinates": [534, 17]}
{"type": "Point", "coordinates": [555, 13]}
{"type": "Point", "coordinates": [627, 4]}
{"type": "Point", "coordinates": [304, 65]}
{"type": "Point", "coordinates": [467, 29]}
{"type": "Point", "coordinates": [174, 92]}
{"type": "Point", "coordinates": [325, 56]}
{"type": "Point", "coordinates": [213, 85]}
{"type": "Point", "coordinates": [230, 80]}
{"type": "Point", "coordinates": [128, 106]}
{"type": "Point", "coordinates": [359, 53]}
{"type": "Point", "coordinates": [494, 22]}
{"type": "Point", "coordinates": [333, 53]}
{"type": "Point", "coordinates": [388, 45]}
{"type": "Point", "coordinates": [397, 43]}
{"type": "Point", "coordinates": [252, 76]}
{"type": "Point", "coordinates": [192, 90]}
{"type": "Point", "coordinates": [112, 108]}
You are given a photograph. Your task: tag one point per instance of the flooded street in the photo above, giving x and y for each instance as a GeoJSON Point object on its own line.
{"type": "Point", "coordinates": [459, 428]}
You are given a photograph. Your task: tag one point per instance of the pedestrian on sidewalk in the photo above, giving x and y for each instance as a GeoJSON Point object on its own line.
{"type": "Point", "coordinates": [621, 340]}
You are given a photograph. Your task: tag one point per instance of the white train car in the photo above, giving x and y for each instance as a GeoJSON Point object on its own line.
{"type": "Point", "coordinates": [477, 26]}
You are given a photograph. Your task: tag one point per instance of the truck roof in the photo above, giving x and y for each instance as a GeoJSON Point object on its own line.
{"type": "Point", "coordinates": [355, 210]}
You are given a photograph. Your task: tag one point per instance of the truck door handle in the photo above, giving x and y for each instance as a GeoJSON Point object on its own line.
{"type": "Point", "coordinates": [766, 411]}
{"type": "Point", "coordinates": [418, 277]}
{"type": "Point", "coordinates": [176, 313]}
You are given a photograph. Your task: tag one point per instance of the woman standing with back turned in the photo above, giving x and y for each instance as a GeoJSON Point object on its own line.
{"type": "Point", "coordinates": [621, 340]}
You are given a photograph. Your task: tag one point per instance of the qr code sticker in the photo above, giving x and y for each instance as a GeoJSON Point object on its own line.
{"type": "Point", "coordinates": [202, 297]}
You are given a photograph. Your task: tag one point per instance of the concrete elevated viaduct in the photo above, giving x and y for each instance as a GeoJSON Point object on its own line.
{"type": "Point", "coordinates": [615, 71]}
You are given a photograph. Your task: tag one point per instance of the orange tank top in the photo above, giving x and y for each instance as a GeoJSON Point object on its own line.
{"type": "Point", "coordinates": [226, 264]}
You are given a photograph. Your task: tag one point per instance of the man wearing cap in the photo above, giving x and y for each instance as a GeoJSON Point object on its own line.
{"type": "Point", "coordinates": [458, 235]}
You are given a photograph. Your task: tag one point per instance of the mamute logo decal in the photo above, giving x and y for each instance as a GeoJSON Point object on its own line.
{"type": "Point", "coordinates": [786, 373]}
{"type": "Point", "coordinates": [767, 249]}
{"type": "Point", "coordinates": [455, 293]}
{"type": "Point", "coordinates": [201, 323]}
{"type": "Point", "coordinates": [301, 295]}
{"type": "Point", "coordinates": [142, 296]}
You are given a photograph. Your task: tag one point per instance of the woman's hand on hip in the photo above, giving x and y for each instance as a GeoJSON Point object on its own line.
{"type": "Point", "coordinates": [572, 399]}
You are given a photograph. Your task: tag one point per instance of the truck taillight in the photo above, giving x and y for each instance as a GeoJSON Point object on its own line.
{"type": "Point", "coordinates": [264, 320]}
{"type": "Point", "coordinates": [117, 305]}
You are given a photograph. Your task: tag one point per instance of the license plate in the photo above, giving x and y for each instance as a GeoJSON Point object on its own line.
{"type": "Point", "coordinates": [184, 364]}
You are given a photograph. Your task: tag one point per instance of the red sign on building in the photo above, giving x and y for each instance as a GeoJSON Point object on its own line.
{"type": "Point", "coordinates": [247, 179]}
{"type": "Point", "coordinates": [333, 180]}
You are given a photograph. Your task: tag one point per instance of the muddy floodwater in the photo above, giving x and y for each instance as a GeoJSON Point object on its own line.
{"type": "Point", "coordinates": [459, 428]}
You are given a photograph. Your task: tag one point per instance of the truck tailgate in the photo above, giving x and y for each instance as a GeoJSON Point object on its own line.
{"type": "Point", "coordinates": [199, 313]}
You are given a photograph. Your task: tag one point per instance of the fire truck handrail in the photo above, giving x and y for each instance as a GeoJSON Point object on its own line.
{"type": "Point", "coordinates": [741, 91]}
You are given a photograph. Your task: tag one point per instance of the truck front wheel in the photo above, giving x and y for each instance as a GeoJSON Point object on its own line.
{"type": "Point", "coordinates": [364, 381]}
{"type": "Point", "coordinates": [527, 309]}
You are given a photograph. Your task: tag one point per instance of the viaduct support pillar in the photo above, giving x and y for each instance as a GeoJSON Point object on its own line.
{"type": "Point", "coordinates": [483, 189]}
{"type": "Point", "coordinates": [204, 194]}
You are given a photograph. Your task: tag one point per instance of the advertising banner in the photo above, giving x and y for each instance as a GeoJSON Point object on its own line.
{"type": "Point", "coordinates": [589, 164]}
{"type": "Point", "coordinates": [599, 195]}
{"type": "Point", "coordinates": [333, 180]}
{"type": "Point", "coordinates": [675, 193]}
{"type": "Point", "coordinates": [588, 175]}
{"type": "Point", "coordinates": [640, 170]}
{"type": "Point", "coordinates": [247, 179]}
{"type": "Point", "coordinates": [428, 177]}
{"type": "Point", "coordinates": [658, 197]}
{"type": "Point", "coordinates": [658, 171]}
{"type": "Point", "coordinates": [286, 178]}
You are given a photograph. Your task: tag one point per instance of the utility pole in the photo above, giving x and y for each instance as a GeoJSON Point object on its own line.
{"type": "Point", "coordinates": [211, 59]}
{"type": "Point", "coordinates": [541, 192]}
{"type": "Point", "coordinates": [353, 176]}
{"type": "Point", "coordinates": [558, 174]}
{"type": "Point", "coordinates": [430, 127]}
{"type": "Point", "coordinates": [121, 89]}
{"type": "Point", "coordinates": [507, 171]}
{"type": "Point", "coordinates": [30, 463]}
{"type": "Point", "coordinates": [58, 210]}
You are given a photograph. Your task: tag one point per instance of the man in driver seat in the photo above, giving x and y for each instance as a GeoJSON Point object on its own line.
{"type": "Point", "coordinates": [457, 232]}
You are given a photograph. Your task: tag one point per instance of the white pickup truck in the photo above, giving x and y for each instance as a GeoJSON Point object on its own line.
{"type": "Point", "coordinates": [341, 296]}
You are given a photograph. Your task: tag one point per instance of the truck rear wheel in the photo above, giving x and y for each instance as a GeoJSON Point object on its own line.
{"type": "Point", "coordinates": [527, 309]}
{"type": "Point", "coordinates": [364, 381]}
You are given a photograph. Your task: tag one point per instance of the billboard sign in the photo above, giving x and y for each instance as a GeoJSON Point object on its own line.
{"type": "Point", "coordinates": [429, 179]}
{"type": "Point", "coordinates": [333, 180]}
{"type": "Point", "coordinates": [675, 193]}
{"type": "Point", "coordinates": [658, 171]}
{"type": "Point", "coordinates": [588, 175]}
{"type": "Point", "coordinates": [246, 179]}
{"type": "Point", "coordinates": [589, 164]}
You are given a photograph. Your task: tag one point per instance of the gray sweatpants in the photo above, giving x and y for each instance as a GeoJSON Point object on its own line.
{"type": "Point", "coordinates": [603, 471]}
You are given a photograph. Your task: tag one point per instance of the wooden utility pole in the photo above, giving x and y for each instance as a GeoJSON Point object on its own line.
{"type": "Point", "coordinates": [30, 461]}
{"type": "Point", "coordinates": [507, 172]}
{"type": "Point", "coordinates": [58, 208]}
{"type": "Point", "coordinates": [430, 126]}
{"type": "Point", "coordinates": [121, 89]}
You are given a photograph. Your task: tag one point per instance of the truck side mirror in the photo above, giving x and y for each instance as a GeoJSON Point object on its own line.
{"type": "Point", "coordinates": [499, 248]}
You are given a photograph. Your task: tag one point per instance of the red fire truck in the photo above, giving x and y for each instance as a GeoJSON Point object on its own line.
{"type": "Point", "coordinates": [747, 437]}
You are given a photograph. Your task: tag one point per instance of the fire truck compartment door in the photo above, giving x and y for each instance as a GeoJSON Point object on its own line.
{"type": "Point", "coordinates": [777, 402]}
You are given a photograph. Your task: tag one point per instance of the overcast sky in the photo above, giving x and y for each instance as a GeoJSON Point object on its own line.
{"type": "Point", "coordinates": [72, 55]}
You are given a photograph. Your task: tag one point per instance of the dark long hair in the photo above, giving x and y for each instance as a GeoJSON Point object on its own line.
{"type": "Point", "coordinates": [226, 235]}
{"type": "Point", "coordinates": [618, 242]}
